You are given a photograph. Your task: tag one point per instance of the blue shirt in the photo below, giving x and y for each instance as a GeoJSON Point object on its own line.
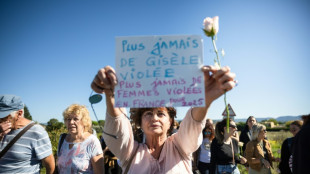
{"type": "Point", "coordinates": [27, 152]}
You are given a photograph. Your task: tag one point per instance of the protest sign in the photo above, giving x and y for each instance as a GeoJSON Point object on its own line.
{"type": "Point", "coordinates": [159, 71]}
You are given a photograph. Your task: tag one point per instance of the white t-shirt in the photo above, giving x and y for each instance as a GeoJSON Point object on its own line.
{"type": "Point", "coordinates": [205, 152]}
{"type": "Point", "coordinates": [78, 158]}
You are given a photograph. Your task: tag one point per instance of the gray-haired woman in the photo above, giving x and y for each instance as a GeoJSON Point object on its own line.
{"type": "Point", "coordinates": [258, 151]}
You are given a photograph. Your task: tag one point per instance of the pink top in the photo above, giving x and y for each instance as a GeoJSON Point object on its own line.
{"type": "Point", "coordinates": [175, 156]}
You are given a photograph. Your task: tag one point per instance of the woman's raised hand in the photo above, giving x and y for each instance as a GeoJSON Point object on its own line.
{"type": "Point", "coordinates": [104, 81]}
{"type": "Point", "coordinates": [217, 82]}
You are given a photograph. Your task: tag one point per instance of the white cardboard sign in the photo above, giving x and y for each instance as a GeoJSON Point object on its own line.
{"type": "Point", "coordinates": [159, 71]}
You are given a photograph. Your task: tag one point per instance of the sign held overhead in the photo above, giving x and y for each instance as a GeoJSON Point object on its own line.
{"type": "Point", "coordinates": [159, 71]}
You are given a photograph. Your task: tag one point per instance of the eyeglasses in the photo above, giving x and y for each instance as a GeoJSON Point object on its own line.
{"type": "Point", "coordinates": [233, 126]}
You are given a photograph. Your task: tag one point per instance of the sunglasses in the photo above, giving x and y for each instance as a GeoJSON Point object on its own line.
{"type": "Point", "coordinates": [233, 126]}
{"type": "Point", "coordinates": [265, 131]}
{"type": "Point", "coordinates": [207, 133]}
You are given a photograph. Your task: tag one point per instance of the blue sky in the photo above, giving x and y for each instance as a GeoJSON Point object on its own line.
{"type": "Point", "coordinates": [51, 50]}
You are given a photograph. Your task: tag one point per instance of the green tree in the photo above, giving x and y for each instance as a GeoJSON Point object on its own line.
{"type": "Point", "coordinates": [95, 123]}
{"type": "Point", "coordinates": [27, 113]}
{"type": "Point", "coordinates": [288, 123]}
{"type": "Point", "coordinates": [241, 125]}
{"type": "Point", "coordinates": [101, 123]}
{"type": "Point", "coordinates": [54, 124]}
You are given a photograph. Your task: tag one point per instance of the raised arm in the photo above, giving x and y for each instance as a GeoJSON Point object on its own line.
{"type": "Point", "coordinates": [217, 82]}
{"type": "Point", "coordinates": [117, 130]}
{"type": "Point", "coordinates": [105, 82]}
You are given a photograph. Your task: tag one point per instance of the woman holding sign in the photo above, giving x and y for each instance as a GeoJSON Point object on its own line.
{"type": "Point", "coordinates": [159, 153]}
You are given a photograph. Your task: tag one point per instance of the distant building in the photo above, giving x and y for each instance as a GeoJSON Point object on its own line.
{"type": "Point", "coordinates": [269, 124]}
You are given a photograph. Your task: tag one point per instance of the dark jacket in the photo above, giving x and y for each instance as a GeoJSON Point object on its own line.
{"type": "Point", "coordinates": [301, 151]}
{"type": "Point", "coordinates": [286, 152]}
{"type": "Point", "coordinates": [244, 137]}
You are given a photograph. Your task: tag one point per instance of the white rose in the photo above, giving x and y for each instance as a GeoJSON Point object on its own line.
{"type": "Point", "coordinates": [211, 26]}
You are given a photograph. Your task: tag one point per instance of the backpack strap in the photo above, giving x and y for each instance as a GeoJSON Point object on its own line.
{"type": "Point", "coordinates": [7, 147]}
{"type": "Point", "coordinates": [61, 140]}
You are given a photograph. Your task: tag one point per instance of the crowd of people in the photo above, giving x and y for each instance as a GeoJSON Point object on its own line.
{"type": "Point", "coordinates": [151, 141]}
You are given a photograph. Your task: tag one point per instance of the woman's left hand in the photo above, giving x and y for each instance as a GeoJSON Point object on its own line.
{"type": "Point", "coordinates": [217, 82]}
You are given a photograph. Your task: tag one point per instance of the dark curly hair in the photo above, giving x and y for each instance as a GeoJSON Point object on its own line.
{"type": "Point", "coordinates": [136, 117]}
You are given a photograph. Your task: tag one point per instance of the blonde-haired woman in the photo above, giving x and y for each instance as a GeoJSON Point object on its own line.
{"type": "Point", "coordinates": [258, 151]}
{"type": "Point", "coordinates": [79, 151]}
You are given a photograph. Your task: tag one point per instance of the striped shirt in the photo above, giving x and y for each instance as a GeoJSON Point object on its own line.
{"type": "Point", "coordinates": [26, 154]}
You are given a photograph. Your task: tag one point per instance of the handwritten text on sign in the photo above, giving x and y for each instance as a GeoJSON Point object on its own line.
{"type": "Point", "coordinates": [158, 71]}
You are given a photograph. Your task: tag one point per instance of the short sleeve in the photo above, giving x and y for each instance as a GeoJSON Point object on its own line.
{"type": "Point", "coordinates": [95, 147]}
{"type": "Point", "coordinates": [43, 146]}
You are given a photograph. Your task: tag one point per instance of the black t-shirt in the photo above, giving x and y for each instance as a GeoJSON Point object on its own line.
{"type": "Point", "coordinates": [221, 154]}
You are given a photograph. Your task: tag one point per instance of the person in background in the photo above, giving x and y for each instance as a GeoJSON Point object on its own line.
{"type": "Point", "coordinates": [209, 121]}
{"type": "Point", "coordinates": [80, 151]}
{"type": "Point", "coordinates": [202, 156]}
{"type": "Point", "coordinates": [245, 135]}
{"type": "Point", "coordinates": [258, 151]}
{"type": "Point", "coordinates": [286, 149]}
{"type": "Point", "coordinates": [31, 149]}
{"type": "Point", "coordinates": [301, 148]}
{"type": "Point", "coordinates": [111, 165]}
{"type": "Point", "coordinates": [175, 127]}
{"type": "Point", "coordinates": [160, 153]}
{"type": "Point", "coordinates": [224, 149]}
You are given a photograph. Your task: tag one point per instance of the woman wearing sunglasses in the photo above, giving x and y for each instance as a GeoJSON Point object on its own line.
{"type": "Point", "coordinates": [224, 149]}
{"type": "Point", "coordinates": [202, 156]}
{"type": "Point", "coordinates": [258, 151]}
